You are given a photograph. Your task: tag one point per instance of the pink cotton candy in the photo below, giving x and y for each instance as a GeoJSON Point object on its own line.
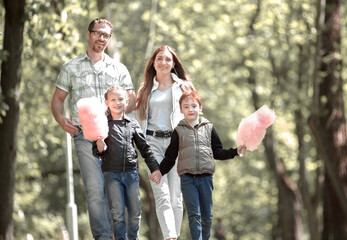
{"type": "Point", "coordinates": [252, 129]}
{"type": "Point", "coordinates": [91, 113]}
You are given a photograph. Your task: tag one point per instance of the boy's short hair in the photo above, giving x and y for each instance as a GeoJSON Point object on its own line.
{"type": "Point", "coordinates": [190, 94]}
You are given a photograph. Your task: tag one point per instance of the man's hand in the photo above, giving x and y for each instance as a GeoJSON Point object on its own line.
{"type": "Point", "coordinates": [131, 101]}
{"type": "Point", "coordinates": [67, 125]}
{"type": "Point", "coordinates": [57, 106]}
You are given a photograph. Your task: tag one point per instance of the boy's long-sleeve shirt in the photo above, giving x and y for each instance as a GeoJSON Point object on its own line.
{"type": "Point", "coordinates": [201, 159]}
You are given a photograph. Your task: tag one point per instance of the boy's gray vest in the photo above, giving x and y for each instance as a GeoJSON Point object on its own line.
{"type": "Point", "coordinates": [195, 152]}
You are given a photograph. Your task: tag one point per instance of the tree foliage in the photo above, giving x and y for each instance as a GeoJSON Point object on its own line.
{"type": "Point", "coordinates": [240, 54]}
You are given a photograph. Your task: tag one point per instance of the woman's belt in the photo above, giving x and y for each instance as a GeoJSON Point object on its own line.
{"type": "Point", "coordinates": [161, 134]}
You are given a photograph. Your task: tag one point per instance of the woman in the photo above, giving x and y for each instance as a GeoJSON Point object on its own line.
{"type": "Point", "coordinates": [159, 112]}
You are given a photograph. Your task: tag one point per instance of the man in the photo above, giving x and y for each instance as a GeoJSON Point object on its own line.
{"type": "Point", "coordinates": [91, 74]}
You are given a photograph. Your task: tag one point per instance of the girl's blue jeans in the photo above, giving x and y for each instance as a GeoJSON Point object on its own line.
{"type": "Point", "coordinates": [122, 191]}
{"type": "Point", "coordinates": [197, 196]}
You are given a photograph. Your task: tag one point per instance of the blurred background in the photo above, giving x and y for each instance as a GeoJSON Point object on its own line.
{"type": "Point", "coordinates": [241, 55]}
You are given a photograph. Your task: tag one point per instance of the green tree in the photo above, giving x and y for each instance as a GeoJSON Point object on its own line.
{"type": "Point", "coordinates": [240, 54]}
{"type": "Point", "coordinates": [328, 124]}
{"type": "Point", "coordinates": [11, 76]}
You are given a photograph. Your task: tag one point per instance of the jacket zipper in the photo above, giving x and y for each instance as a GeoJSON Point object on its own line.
{"type": "Point", "coordinates": [125, 144]}
{"type": "Point", "coordinates": [197, 149]}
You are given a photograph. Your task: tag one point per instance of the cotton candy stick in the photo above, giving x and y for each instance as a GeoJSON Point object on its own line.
{"type": "Point", "coordinates": [252, 129]}
{"type": "Point", "coordinates": [91, 113]}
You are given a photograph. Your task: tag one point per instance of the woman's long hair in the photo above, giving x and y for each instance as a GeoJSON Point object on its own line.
{"type": "Point", "coordinates": [150, 72]}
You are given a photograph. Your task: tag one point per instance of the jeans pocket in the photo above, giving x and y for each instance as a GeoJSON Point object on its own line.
{"type": "Point", "coordinates": [74, 136]}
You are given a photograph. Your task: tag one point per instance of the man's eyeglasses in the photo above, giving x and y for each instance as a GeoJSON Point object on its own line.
{"type": "Point", "coordinates": [99, 34]}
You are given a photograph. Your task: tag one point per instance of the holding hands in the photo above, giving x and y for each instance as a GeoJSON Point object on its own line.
{"type": "Point", "coordinates": [155, 176]}
{"type": "Point", "coordinates": [241, 150]}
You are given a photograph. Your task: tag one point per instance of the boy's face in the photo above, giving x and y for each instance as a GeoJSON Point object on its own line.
{"type": "Point", "coordinates": [116, 101]}
{"type": "Point", "coordinates": [190, 109]}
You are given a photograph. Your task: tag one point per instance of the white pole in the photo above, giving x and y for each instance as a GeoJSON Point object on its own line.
{"type": "Point", "coordinates": [71, 208]}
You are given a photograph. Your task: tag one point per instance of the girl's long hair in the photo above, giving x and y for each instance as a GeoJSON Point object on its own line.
{"type": "Point", "coordinates": [150, 72]}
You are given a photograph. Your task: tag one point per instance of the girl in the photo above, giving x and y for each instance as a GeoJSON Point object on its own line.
{"type": "Point", "coordinates": [120, 164]}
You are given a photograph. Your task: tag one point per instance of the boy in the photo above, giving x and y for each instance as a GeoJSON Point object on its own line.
{"type": "Point", "coordinates": [197, 144]}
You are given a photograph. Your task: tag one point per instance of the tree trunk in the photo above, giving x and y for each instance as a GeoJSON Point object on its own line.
{"type": "Point", "coordinates": [289, 222]}
{"type": "Point", "coordinates": [11, 71]}
{"type": "Point", "coordinates": [310, 201]}
{"type": "Point", "coordinates": [289, 199]}
{"type": "Point", "coordinates": [289, 225]}
{"type": "Point", "coordinates": [329, 126]}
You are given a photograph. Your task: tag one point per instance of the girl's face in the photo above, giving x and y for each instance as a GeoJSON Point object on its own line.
{"type": "Point", "coordinates": [116, 101]}
{"type": "Point", "coordinates": [163, 62]}
{"type": "Point", "coordinates": [190, 109]}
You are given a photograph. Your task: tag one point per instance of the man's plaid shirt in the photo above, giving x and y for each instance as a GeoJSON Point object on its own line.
{"type": "Point", "coordinates": [82, 79]}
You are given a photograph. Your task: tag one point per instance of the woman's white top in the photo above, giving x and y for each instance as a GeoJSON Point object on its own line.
{"type": "Point", "coordinates": [159, 110]}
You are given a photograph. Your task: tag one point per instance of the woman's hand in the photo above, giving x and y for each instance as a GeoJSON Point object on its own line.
{"type": "Point", "coordinates": [155, 176]}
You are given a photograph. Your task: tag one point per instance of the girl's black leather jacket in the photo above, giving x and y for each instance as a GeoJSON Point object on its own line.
{"type": "Point", "coordinates": [120, 154]}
